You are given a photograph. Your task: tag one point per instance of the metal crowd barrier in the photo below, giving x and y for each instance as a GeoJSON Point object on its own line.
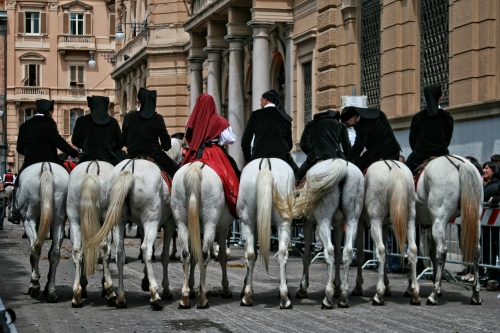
{"type": "Point", "coordinates": [490, 243]}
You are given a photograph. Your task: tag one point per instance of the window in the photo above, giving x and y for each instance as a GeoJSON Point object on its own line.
{"type": "Point", "coordinates": [28, 114]}
{"type": "Point", "coordinates": [307, 74]}
{"type": "Point", "coordinates": [76, 76]}
{"type": "Point", "coordinates": [31, 75]}
{"type": "Point", "coordinates": [74, 114]}
{"type": "Point", "coordinates": [76, 24]}
{"type": "Point", "coordinates": [32, 22]}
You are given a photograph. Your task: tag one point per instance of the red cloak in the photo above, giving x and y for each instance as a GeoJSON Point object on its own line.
{"type": "Point", "coordinates": [204, 125]}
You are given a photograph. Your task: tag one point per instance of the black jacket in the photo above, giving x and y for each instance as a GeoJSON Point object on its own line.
{"type": "Point", "coordinates": [376, 136]}
{"type": "Point", "coordinates": [322, 138]}
{"type": "Point", "coordinates": [431, 136]}
{"type": "Point", "coordinates": [273, 135]}
{"type": "Point", "coordinates": [38, 141]}
{"type": "Point", "coordinates": [141, 135]}
{"type": "Point", "coordinates": [491, 189]}
{"type": "Point", "coordinates": [97, 141]}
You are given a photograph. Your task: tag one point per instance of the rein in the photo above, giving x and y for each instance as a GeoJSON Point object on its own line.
{"type": "Point", "coordinates": [133, 165]}
{"type": "Point", "coordinates": [98, 167]}
{"type": "Point", "coordinates": [449, 159]}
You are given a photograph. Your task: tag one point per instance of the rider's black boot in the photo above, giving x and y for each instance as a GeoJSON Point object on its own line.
{"type": "Point", "coordinates": [14, 216]}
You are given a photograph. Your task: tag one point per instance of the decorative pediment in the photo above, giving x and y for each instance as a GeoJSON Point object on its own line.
{"type": "Point", "coordinates": [32, 56]}
{"type": "Point", "coordinates": [76, 3]}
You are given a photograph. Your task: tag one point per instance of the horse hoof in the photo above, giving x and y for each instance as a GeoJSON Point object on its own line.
{"type": "Point", "coordinates": [184, 307]}
{"type": "Point", "coordinates": [243, 304]}
{"type": "Point", "coordinates": [206, 306]}
{"type": "Point", "coordinates": [52, 299]}
{"type": "Point", "coordinates": [286, 307]}
{"type": "Point", "coordinates": [375, 303]}
{"type": "Point", "coordinates": [167, 297]}
{"type": "Point", "coordinates": [326, 307]}
{"type": "Point", "coordinates": [121, 305]}
{"type": "Point", "coordinates": [76, 305]}
{"type": "Point", "coordinates": [34, 292]}
{"type": "Point", "coordinates": [415, 303]}
{"type": "Point", "coordinates": [407, 294]}
{"type": "Point", "coordinates": [230, 295]}
{"type": "Point", "coordinates": [355, 293]}
{"type": "Point", "coordinates": [299, 296]}
{"type": "Point", "coordinates": [145, 285]}
{"type": "Point", "coordinates": [157, 305]}
{"type": "Point", "coordinates": [429, 302]}
{"type": "Point", "coordinates": [111, 301]}
{"type": "Point", "coordinates": [343, 306]}
{"type": "Point", "coordinates": [472, 302]}
{"type": "Point", "coordinates": [84, 294]}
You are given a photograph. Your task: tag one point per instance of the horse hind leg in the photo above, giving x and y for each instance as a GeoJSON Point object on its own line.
{"type": "Point", "coordinates": [476, 299]}
{"type": "Point", "coordinates": [168, 231]}
{"type": "Point", "coordinates": [413, 290]}
{"type": "Point", "coordinates": [150, 234]}
{"type": "Point", "coordinates": [440, 258]}
{"type": "Point", "coordinates": [337, 236]}
{"type": "Point", "coordinates": [284, 235]}
{"type": "Point", "coordinates": [208, 242]}
{"type": "Point", "coordinates": [377, 237]}
{"type": "Point", "coordinates": [360, 257]}
{"type": "Point", "coordinates": [306, 261]}
{"type": "Point", "coordinates": [250, 257]}
{"type": "Point", "coordinates": [54, 257]}
{"type": "Point", "coordinates": [223, 258]}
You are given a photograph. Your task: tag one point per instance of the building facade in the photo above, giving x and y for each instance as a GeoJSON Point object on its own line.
{"type": "Point", "coordinates": [313, 52]}
{"type": "Point", "coordinates": [49, 45]}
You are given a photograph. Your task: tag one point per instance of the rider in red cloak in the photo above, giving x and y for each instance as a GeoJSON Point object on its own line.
{"type": "Point", "coordinates": [206, 133]}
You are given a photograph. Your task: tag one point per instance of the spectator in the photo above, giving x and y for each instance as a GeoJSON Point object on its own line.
{"type": "Point", "coordinates": [495, 158]}
{"type": "Point", "coordinates": [491, 179]}
{"type": "Point", "coordinates": [2, 205]}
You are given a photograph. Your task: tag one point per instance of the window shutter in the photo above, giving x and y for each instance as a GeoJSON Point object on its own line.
{"type": "Point", "coordinates": [80, 74]}
{"type": "Point", "coordinates": [20, 22]}
{"type": "Point", "coordinates": [26, 75]}
{"type": "Point", "coordinates": [88, 24]}
{"type": "Point", "coordinates": [21, 116]}
{"type": "Point", "coordinates": [112, 22]}
{"type": "Point", "coordinates": [43, 23]}
{"type": "Point", "coordinates": [65, 23]}
{"type": "Point", "coordinates": [38, 76]}
{"type": "Point", "coordinates": [72, 71]}
{"type": "Point", "coordinates": [66, 129]}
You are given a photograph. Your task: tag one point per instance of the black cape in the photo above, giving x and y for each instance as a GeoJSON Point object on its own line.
{"type": "Point", "coordinates": [431, 135]}
{"type": "Point", "coordinates": [141, 135]}
{"type": "Point", "coordinates": [99, 142]}
{"type": "Point", "coordinates": [325, 137]}
{"type": "Point", "coordinates": [376, 136]}
{"type": "Point", "coordinates": [273, 135]}
{"type": "Point", "coordinates": [39, 139]}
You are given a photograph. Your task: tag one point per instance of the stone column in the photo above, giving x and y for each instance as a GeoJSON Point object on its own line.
{"type": "Point", "coordinates": [236, 98]}
{"type": "Point", "coordinates": [289, 68]}
{"type": "Point", "coordinates": [260, 62]}
{"type": "Point", "coordinates": [196, 80]}
{"type": "Point", "coordinates": [214, 84]}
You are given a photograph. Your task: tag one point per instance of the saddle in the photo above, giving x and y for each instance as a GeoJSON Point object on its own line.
{"type": "Point", "coordinates": [164, 175]}
{"type": "Point", "coordinates": [418, 171]}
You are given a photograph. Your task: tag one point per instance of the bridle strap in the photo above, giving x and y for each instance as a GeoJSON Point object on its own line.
{"type": "Point", "coordinates": [390, 168]}
{"type": "Point", "coordinates": [133, 165]}
{"type": "Point", "coordinates": [50, 167]}
{"type": "Point", "coordinates": [268, 162]}
{"type": "Point", "coordinates": [448, 157]}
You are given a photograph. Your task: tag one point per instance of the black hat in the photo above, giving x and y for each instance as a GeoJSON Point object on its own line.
{"type": "Point", "coordinates": [147, 98]}
{"type": "Point", "coordinates": [432, 95]}
{"type": "Point", "coordinates": [350, 111]}
{"type": "Point", "coordinates": [330, 114]}
{"type": "Point", "coordinates": [273, 97]}
{"type": "Point", "coordinates": [99, 106]}
{"type": "Point", "coordinates": [179, 136]}
{"type": "Point", "coordinates": [43, 106]}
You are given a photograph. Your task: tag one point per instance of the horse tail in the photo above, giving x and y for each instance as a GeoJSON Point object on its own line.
{"type": "Point", "coordinates": [119, 192]}
{"type": "Point", "coordinates": [470, 209]}
{"type": "Point", "coordinates": [317, 186]}
{"type": "Point", "coordinates": [398, 198]}
{"type": "Point", "coordinates": [265, 184]}
{"type": "Point", "coordinates": [90, 219]}
{"type": "Point", "coordinates": [46, 208]}
{"type": "Point", "coordinates": [192, 184]}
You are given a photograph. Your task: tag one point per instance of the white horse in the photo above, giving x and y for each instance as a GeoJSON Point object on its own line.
{"type": "Point", "coordinates": [331, 185]}
{"type": "Point", "coordinates": [451, 186]}
{"type": "Point", "coordinates": [136, 191]}
{"type": "Point", "coordinates": [41, 200]}
{"type": "Point", "coordinates": [7, 195]}
{"type": "Point", "coordinates": [199, 206]}
{"type": "Point", "coordinates": [389, 198]}
{"type": "Point", "coordinates": [260, 180]}
{"type": "Point", "coordinates": [86, 207]}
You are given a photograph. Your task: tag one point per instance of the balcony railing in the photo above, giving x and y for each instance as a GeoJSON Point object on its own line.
{"type": "Point", "coordinates": [79, 42]}
{"type": "Point", "coordinates": [132, 47]}
{"type": "Point", "coordinates": [32, 91]}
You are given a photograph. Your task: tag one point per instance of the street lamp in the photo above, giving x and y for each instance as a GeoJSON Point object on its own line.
{"type": "Point", "coordinates": [92, 61]}
{"type": "Point", "coordinates": [120, 36]}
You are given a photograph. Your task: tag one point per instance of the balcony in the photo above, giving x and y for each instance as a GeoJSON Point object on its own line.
{"type": "Point", "coordinates": [28, 93]}
{"type": "Point", "coordinates": [76, 42]}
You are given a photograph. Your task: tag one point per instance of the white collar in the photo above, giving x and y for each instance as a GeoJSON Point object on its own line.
{"type": "Point", "coordinates": [38, 114]}
{"type": "Point", "coordinates": [269, 105]}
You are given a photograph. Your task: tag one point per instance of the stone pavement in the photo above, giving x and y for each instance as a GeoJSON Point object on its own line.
{"type": "Point", "coordinates": [453, 314]}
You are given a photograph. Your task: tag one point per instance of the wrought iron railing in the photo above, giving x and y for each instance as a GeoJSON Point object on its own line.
{"type": "Point", "coordinates": [370, 51]}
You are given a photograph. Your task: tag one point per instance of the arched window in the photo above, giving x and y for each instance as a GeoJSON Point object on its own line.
{"type": "Point", "coordinates": [74, 114]}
